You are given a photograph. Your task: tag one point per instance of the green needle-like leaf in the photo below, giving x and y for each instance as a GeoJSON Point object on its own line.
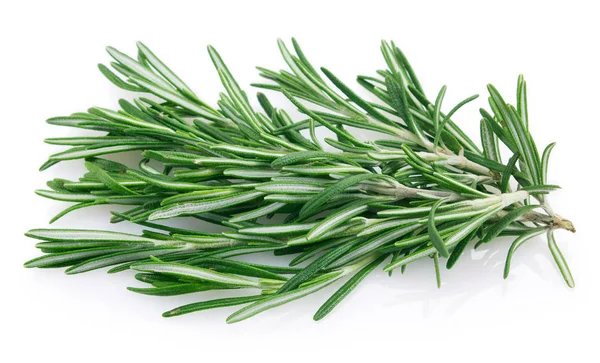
{"type": "Point", "coordinates": [315, 267]}
{"type": "Point", "coordinates": [494, 230]}
{"type": "Point", "coordinates": [85, 235]}
{"type": "Point", "coordinates": [458, 250]}
{"type": "Point", "coordinates": [489, 140]}
{"type": "Point", "coordinates": [312, 206]}
{"type": "Point", "coordinates": [508, 172]}
{"type": "Point", "coordinates": [346, 289]}
{"type": "Point", "coordinates": [238, 268]}
{"type": "Point", "coordinates": [68, 258]}
{"type": "Point", "coordinates": [163, 69]}
{"type": "Point", "coordinates": [560, 259]}
{"type": "Point", "coordinates": [119, 257]}
{"type": "Point", "coordinates": [211, 304]}
{"type": "Point", "coordinates": [174, 289]}
{"type": "Point", "coordinates": [545, 160]}
{"type": "Point", "coordinates": [518, 243]}
{"type": "Point", "coordinates": [399, 98]}
{"type": "Point", "coordinates": [185, 271]}
{"type": "Point", "coordinates": [337, 218]}
{"type": "Point", "coordinates": [278, 229]}
{"type": "Point", "coordinates": [436, 239]}
{"type": "Point", "coordinates": [202, 207]}
{"type": "Point", "coordinates": [105, 178]}
{"type": "Point", "coordinates": [278, 300]}
{"type": "Point", "coordinates": [257, 213]}
{"type": "Point", "coordinates": [305, 156]}
{"type": "Point", "coordinates": [436, 263]}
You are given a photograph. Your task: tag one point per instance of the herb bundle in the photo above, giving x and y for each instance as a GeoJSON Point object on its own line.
{"type": "Point", "coordinates": [424, 189]}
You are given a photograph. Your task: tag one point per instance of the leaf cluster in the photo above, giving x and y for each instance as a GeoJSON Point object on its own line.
{"type": "Point", "coordinates": [424, 189]}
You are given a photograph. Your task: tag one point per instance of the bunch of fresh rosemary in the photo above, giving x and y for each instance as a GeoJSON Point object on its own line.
{"type": "Point", "coordinates": [424, 189]}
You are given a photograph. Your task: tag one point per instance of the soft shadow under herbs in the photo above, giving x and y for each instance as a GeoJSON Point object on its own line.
{"type": "Point", "coordinates": [476, 272]}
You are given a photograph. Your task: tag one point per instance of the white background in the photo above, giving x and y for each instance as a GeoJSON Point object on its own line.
{"type": "Point", "coordinates": [48, 67]}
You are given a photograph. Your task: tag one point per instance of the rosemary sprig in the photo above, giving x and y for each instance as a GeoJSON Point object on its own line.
{"type": "Point", "coordinates": [424, 190]}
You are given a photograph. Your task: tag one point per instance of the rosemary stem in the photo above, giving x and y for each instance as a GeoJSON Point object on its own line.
{"type": "Point", "coordinates": [401, 191]}
{"type": "Point", "coordinates": [447, 157]}
{"type": "Point", "coordinates": [553, 222]}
